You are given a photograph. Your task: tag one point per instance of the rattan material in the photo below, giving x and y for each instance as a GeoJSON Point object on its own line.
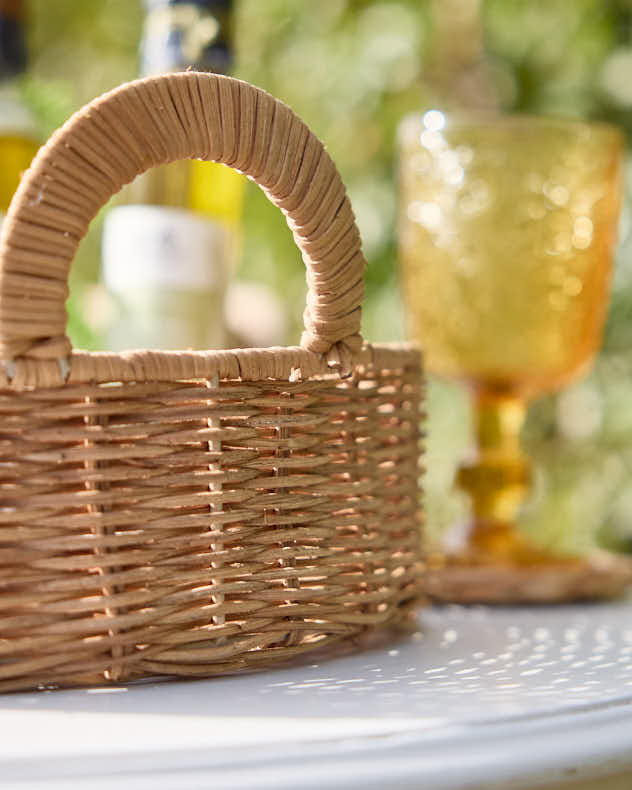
{"type": "Point", "coordinates": [193, 513]}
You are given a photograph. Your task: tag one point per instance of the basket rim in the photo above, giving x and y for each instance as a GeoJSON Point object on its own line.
{"type": "Point", "coordinates": [288, 363]}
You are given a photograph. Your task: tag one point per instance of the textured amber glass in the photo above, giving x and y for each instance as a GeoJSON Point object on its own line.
{"type": "Point", "coordinates": [506, 238]}
{"type": "Point", "coordinates": [507, 231]}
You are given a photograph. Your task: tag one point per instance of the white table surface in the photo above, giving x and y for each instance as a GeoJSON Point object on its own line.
{"type": "Point", "coordinates": [475, 698]}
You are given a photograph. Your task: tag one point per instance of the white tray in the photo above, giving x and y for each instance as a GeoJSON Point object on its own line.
{"type": "Point", "coordinates": [475, 698]}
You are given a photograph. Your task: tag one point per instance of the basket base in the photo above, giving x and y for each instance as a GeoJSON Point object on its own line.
{"type": "Point", "coordinates": [602, 575]}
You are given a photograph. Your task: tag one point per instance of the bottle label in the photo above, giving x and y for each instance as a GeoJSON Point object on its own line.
{"type": "Point", "coordinates": [163, 247]}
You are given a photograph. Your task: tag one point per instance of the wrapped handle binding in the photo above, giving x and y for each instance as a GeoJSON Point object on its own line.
{"type": "Point", "coordinates": [155, 121]}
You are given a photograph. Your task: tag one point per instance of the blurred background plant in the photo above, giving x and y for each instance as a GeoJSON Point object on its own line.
{"type": "Point", "coordinates": [352, 69]}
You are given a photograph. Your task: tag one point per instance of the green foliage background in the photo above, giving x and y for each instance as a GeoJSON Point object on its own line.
{"type": "Point", "coordinates": [352, 69]}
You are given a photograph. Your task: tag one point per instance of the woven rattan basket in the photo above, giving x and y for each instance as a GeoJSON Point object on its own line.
{"type": "Point", "coordinates": [193, 513]}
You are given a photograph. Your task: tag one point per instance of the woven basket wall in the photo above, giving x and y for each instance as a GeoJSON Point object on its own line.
{"type": "Point", "coordinates": [194, 513]}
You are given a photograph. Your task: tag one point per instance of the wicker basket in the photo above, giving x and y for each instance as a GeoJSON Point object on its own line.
{"type": "Point", "coordinates": [194, 513]}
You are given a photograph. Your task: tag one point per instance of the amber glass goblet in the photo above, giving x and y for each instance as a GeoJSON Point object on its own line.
{"type": "Point", "coordinates": [507, 232]}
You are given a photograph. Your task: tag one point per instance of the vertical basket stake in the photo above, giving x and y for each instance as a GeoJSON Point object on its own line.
{"type": "Point", "coordinates": [215, 446]}
{"type": "Point", "coordinates": [115, 672]}
{"type": "Point", "coordinates": [285, 452]}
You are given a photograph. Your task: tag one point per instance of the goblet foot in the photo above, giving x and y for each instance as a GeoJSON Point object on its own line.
{"type": "Point", "coordinates": [534, 576]}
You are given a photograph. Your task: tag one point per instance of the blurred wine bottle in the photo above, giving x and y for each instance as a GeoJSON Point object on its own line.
{"type": "Point", "coordinates": [172, 240]}
{"type": "Point", "coordinates": [457, 74]}
{"type": "Point", "coordinates": [18, 133]}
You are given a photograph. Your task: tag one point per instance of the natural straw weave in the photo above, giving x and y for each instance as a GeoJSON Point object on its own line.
{"type": "Point", "coordinates": [193, 513]}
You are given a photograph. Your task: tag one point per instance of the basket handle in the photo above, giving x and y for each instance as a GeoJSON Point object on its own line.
{"type": "Point", "coordinates": [155, 121]}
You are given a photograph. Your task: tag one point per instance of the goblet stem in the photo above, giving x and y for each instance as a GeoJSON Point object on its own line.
{"type": "Point", "coordinates": [498, 479]}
